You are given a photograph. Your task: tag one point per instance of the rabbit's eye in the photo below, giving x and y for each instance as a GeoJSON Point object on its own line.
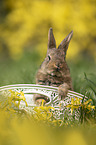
{"type": "Point", "coordinates": [49, 57]}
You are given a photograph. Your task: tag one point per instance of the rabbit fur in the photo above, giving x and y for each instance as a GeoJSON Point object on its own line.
{"type": "Point", "coordinates": [54, 70]}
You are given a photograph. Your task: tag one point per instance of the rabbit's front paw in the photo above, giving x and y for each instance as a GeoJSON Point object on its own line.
{"type": "Point", "coordinates": [63, 90]}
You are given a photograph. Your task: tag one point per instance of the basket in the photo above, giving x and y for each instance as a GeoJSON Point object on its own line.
{"type": "Point", "coordinates": [51, 92]}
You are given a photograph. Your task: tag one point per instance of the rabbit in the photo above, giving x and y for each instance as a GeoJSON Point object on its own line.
{"type": "Point", "coordinates": [54, 70]}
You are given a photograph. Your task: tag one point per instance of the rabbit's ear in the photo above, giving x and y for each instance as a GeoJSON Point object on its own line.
{"type": "Point", "coordinates": [65, 43]}
{"type": "Point", "coordinates": [51, 39]}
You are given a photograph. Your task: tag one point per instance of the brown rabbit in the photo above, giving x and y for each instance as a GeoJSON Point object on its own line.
{"type": "Point", "coordinates": [54, 70]}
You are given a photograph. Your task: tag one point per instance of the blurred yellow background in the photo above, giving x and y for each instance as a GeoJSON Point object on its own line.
{"type": "Point", "coordinates": [24, 25]}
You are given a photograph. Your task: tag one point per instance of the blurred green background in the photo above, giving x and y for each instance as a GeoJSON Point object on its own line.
{"type": "Point", "coordinates": [24, 29]}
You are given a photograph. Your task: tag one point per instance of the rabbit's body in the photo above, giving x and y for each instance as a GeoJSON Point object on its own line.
{"type": "Point", "coordinates": [54, 70]}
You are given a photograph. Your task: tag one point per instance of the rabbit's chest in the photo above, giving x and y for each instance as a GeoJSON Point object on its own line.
{"type": "Point", "coordinates": [49, 80]}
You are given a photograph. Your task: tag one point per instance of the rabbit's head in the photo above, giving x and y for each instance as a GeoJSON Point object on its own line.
{"type": "Point", "coordinates": [54, 64]}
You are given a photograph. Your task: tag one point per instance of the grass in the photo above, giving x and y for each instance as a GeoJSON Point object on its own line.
{"type": "Point", "coordinates": [24, 70]}
{"type": "Point", "coordinates": [18, 131]}
{"type": "Point", "coordinates": [20, 71]}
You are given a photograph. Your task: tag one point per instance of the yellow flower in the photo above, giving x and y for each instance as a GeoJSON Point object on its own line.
{"type": "Point", "coordinates": [16, 98]}
{"type": "Point", "coordinates": [85, 103]}
{"type": "Point", "coordinates": [76, 103]}
{"type": "Point", "coordinates": [88, 105]}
